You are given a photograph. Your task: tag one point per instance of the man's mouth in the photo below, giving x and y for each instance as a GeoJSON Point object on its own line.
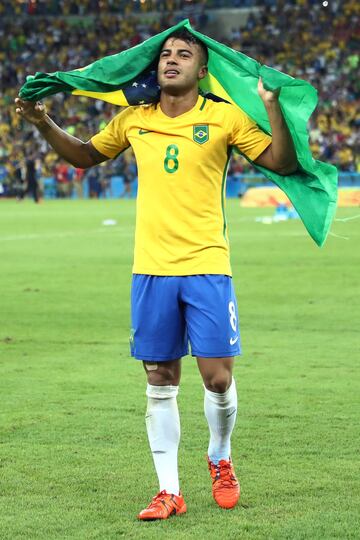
{"type": "Point", "coordinates": [170, 73]}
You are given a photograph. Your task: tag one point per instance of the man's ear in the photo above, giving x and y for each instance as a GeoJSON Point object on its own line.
{"type": "Point", "coordinates": [203, 71]}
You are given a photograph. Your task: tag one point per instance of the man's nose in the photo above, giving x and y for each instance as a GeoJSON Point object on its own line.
{"type": "Point", "coordinates": [171, 60]}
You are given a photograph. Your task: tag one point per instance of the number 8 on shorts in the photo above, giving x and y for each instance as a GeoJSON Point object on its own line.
{"type": "Point", "coordinates": [232, 313]}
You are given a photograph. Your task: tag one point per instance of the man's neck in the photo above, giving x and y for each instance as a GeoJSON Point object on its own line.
{"type": "Point", "coordinates": [175, 105]}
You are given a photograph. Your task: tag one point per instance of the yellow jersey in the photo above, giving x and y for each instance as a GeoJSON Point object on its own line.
{"type": "Point", "coordinates": [182, 166]}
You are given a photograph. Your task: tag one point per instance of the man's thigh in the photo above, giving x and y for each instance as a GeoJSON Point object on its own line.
{"type": "Point", "coordinates": [158, 326]}
{"type": "Point", "coordinates": [211, 315]}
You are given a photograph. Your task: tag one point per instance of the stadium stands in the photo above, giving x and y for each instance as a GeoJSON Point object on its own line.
{"type": "Point", "coordinates": [317, 41]}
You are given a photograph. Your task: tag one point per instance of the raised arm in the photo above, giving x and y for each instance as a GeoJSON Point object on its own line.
{"type": "Point", "coordinates": [76, 152]}
{"type": "Point", "coordinates": [280, 155]}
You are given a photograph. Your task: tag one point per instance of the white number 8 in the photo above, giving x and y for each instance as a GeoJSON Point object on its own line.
{"type": "Point", "coordinates": [232, 316]}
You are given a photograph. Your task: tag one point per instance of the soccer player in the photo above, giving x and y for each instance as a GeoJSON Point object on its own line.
{"type": "Point", "coordinates": [182, 289]}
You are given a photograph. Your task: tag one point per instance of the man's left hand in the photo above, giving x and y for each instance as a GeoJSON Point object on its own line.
{"type": "Point", "coordinates": [266, 95]}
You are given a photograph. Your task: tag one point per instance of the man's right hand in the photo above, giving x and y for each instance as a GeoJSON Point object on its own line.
{"type": "Point", "coordinates": [32, 111]}
{"type": "Point", "coordinates": [78, 153]}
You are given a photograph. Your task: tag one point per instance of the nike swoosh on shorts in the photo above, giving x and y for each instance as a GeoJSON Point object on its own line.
{"type": "Point", "coordinates": [233, 340]}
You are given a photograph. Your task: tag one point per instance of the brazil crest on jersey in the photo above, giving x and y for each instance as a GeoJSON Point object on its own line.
{"type": "Point", "coordinates": [201, 133]}
{"type": "Point", "coordinates": [182, 165]}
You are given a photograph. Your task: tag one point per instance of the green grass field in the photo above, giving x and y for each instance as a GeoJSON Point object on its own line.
{"type": "Point", "coordinates": [74, 458]}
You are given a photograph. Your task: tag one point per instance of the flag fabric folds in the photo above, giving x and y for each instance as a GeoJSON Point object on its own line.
{"type": "Point", "coordinates": [129, 78]}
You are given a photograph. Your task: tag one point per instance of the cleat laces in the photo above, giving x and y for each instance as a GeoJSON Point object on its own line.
{"type": "Point", "coordinates": [222, 474]}
{"type": "Point", "coordinates": [160, 498]}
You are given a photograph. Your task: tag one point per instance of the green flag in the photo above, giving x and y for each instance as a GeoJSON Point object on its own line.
{"type": "Point", "coordinates": [129, 78]}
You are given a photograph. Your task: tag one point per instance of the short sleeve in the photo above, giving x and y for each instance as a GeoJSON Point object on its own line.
{"type": "Point", "coordinates": [112, 140]}
{"type": "Point", "coordinates": [246, 135]}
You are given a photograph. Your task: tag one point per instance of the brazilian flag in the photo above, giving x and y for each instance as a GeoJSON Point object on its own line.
{"type": "Point", "coordinates": [129, 78]}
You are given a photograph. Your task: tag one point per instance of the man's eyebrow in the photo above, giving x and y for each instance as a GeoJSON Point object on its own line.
{"type": "Point", "coordinates": [178, 50]}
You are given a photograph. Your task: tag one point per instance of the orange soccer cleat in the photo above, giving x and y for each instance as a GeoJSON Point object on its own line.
{"type": "Point", "coordinates": [164, 505]}
{"type": "Point", "coordinates": [225, 486]}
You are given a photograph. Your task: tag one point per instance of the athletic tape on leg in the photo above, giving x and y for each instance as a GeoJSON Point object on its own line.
{"type": "Point", "coordinates": [150, 366]}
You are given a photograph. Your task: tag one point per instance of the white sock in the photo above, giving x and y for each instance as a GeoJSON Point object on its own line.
{"type": "Point", "coordinates": [163, 429]}
{"type": "Point", "coordinates": [220, 411]}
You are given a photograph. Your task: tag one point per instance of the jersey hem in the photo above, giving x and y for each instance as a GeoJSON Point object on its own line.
{"type": "Point", "coordinates": [200, 272]}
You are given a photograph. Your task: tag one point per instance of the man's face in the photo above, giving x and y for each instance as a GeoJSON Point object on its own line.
{"type": "Point", "coordinates": [181, 66]}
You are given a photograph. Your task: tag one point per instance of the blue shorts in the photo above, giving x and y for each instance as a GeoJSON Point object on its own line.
{"type": "Point", "coordinates": [170, 312]}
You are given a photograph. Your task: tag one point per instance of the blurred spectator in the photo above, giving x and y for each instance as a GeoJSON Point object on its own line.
{"type": "Point", "coordinates": [32, 186]}
{"type": "Point", "coordinates": [3, 177]}
{"type": "Point", "coordinates": [129, 173]}
{"type": "Point", "coordinates": [63, 181]}
{"type": "Point", "coordinates": [78, 177]}
{"type": "Point", "coordinates": [93, 178]}
{"type": "Point", "coordinates": [106, 171]}
{"type": "Point", "coordinates": [17, 180]}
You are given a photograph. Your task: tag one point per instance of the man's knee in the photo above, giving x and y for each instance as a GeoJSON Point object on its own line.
{"type": "Point", "coordinates": [163, 373]}
{"type": "Point", "coordinates": [216, 373]}
{"type": "Point", "coordinates": [218, 382]}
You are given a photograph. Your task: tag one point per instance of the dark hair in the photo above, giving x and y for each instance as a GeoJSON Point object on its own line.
{"type": "Point", "coordinates": [187, 36]}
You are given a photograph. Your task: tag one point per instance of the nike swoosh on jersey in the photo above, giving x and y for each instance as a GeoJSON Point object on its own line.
{"type": "Point", "coordinates": [144, 131]}
{"type": "Point", "coordinates": [233, 340]}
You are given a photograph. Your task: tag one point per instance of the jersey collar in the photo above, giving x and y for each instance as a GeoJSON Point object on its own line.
{"type": "Point", "coordinates": [200, 104]}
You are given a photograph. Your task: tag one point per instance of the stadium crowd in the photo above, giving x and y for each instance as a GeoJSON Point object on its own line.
{"type": "Point", "coordinates": [86, 7]}
{"type": "Point", "coordinates": [303, 38]}
{"type": "Point", "coordinates": [320, 44]}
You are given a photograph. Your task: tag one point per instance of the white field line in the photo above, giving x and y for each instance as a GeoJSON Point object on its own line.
{"type": "Point", "coordinates": [339, 236]}
{"type": "Point", "coordinates": [233, 232]}
{"type": "Point", "coordinates": [348, 218]}
{"type": "Point", "coordinates": [50, 236]}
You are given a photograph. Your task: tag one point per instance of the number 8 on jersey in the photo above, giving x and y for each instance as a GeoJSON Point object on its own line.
{"type": "Point", "coordinates": [171, 163]}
